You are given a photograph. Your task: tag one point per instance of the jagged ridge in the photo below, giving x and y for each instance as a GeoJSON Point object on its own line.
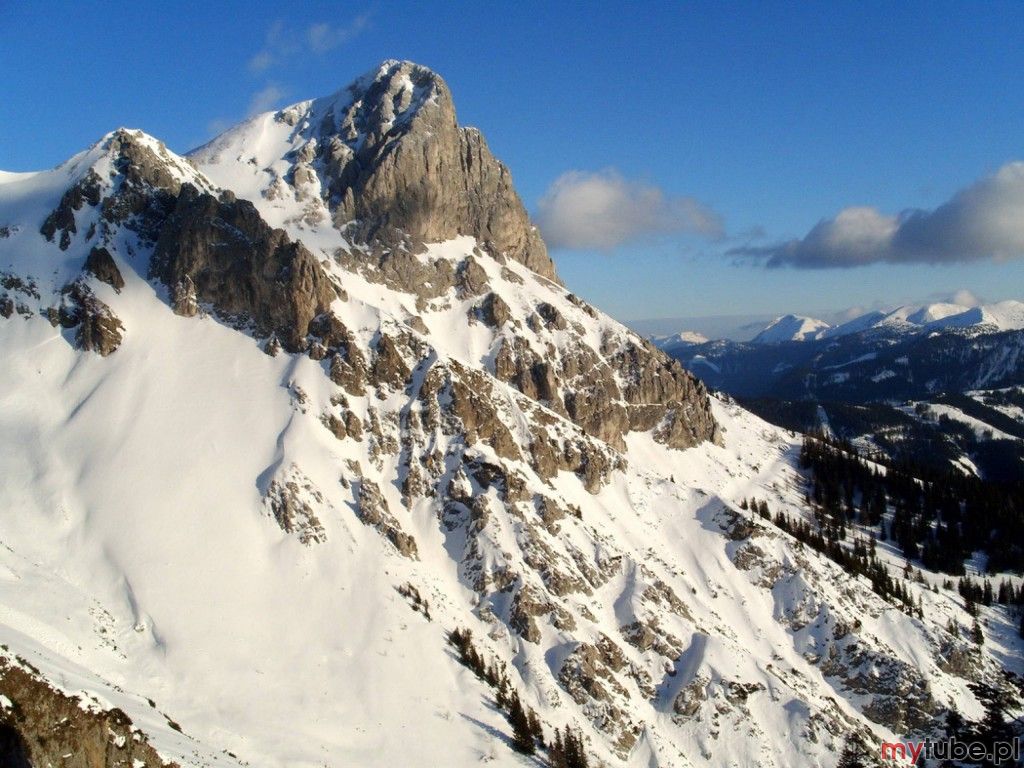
{"type": "Point", "coordinates": [444, 416]}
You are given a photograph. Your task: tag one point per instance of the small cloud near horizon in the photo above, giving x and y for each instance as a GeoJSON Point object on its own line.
{"type": "Point", "coordinates": [603, 210]}
{"type": "Point", "coordinates": [264, 99]}
{"type": "Point", "coordinates": [283, 42]}
{"type": "Point", "coordinates": [982, 222]}
{"type": "Point", "coordinates": [964, 297]}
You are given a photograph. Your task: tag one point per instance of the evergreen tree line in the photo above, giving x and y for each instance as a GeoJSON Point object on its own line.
{"type": "Point", "coordinates": [999, 723]}
{"type": "Point", "coordinates": [939, 518]}
{"type": "Point", "coordinates": [861, 559]}
{"type": "Point", "coordinates": [975, 592]}
{"type": "Point", "coordinates": [566, 749]}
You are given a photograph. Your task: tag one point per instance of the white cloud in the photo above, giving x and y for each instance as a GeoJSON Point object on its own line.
{"type": "Point", "coordinates": [981, 222]}
{"type": "Point", "coordinates": [603, 210]}
{"type": "Point", "coordinates": [275, 46]}
{"type": "Point", "coordinates": [962, 296]}
{"type": "Point", "coordinates": [325, 37]}
{"type": "Point", "coordinates": [283, 42]}
{"type": "Point", "coordinates": [264, 99]}
{"type": "Point", "coordinates": [217, 126]}
{"type": "Point", "coordinates": [966, 298]}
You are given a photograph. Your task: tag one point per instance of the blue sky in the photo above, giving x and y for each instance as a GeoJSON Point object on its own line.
{"type": "Point", "coordinates": [719, 131]}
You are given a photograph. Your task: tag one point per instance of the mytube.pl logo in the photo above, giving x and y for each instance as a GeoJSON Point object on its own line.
{"type": "Point", "coordinates": [910, 752]}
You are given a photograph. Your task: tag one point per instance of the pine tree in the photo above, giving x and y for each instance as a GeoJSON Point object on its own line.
{"type": "Point", "coordinates": [575, 757]}
{"type": "Point", "coordinates": [855, 754]}
{"type": "Point", "coordinates": [993, 726]}
{"type": "Point", "coordinates": [556, 754]}
{"type": "Point", "coordinates": [955, 725]}
{"type": "Point", "coordinates": [970, 606]}
{"type": "Point", "coordinates": [522, 735]}
{"type": "Point", "coordinates": [976, 634]}
{"type": "Point", "coordinates": [535, 727]}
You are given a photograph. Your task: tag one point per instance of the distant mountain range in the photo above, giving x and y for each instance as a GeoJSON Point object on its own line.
{"type": "Point", "coordinates": [791, 328]}
{"type": "Point", "coordinates": [916, 381]}
{"type": "Point", "coordinates": [909, 319]}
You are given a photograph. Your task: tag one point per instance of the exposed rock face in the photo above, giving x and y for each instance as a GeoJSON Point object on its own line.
{"type": "Point", "coordinates": [44, 727]}
{"type": "Point", "coordinates": [220, 250]}
{"type": "Point", "coordinates": [98, 328]}
{"type": "Point", "coordinates": [663, 396]}
{"type": "Point", "coordinates": [149, 181]}
{"type": "Point", "coordinates": [62, 219]}
{"type": "Point", "coordinates": [627, 385]}
{"type": "Point", "coordinates": [289, 502]}
{"type": "Point", "coordinates": [23, 290]}
{"type": "Point", "coordinates": [589, 675]}
{"type": "Point", "coordinates": [100, 264]}
{"type": "Point", "coordinates": [396, 160]}
{"type": "Point", "coordinates": [388, 160]}
{"type": "Point", "coordinates": [373, 510]}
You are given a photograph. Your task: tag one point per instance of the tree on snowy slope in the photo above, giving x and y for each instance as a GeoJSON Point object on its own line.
{"type": "Point", "coordinates": [855, 753]}
{"type": "Point", "coordinates": [567, 750]}
{"type": "Point", "coordinates": [522, 733]}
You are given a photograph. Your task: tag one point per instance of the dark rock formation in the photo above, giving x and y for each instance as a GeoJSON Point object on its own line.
{"type": "Point", "coordinates": [681, 411]}
{"type": "Point", "coordinates": [373, 510]}
{"type": "Point", "coordinates": [237, 262]}
{"type": "Point", "coordinates": [44, 727]}
{"type": "Point", "coordinates": [148, 185]}
{"type": "Point", "coordinates": [62, 218]}
{"type": "Point", "coordinates": [631, 386]}
{"type": "Point", "coordinates": [287, 500]}
{"type": "Point", "coordinates": [100, 264]}
{"type": "Point", "coordinates": [589, 676]}
{"type": "Point", "coordinates": [99, 329]}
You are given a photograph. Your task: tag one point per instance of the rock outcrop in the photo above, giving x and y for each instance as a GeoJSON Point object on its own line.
{"type": "Point", "coordinates": [100, 264]}
{"type": "Point", "coordinates": [97, 328]}
{"type": "Point", "coordinates": [220, 250]}
{"type": "Point", "coordinates": [390, 162]}
{"type": "Point", "coordinates": [41, 726]}
{"type": "Point", "coordinates": [396, 161]}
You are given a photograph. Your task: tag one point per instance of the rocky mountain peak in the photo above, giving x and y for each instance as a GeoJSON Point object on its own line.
{"type": "Point", "coordinates": [387, 99]}
{"type": "Point", "coordinates": [386, 161]}
{"type": "Point", "coordinates": [342, 388]}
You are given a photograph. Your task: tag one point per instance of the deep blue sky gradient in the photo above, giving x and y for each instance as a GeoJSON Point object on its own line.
{"type": "Point", "coordinates": [774, 114]}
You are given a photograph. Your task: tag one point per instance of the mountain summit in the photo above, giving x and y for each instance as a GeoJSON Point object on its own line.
{"type": "Point", "coordinates": [313, 461]}
{"type": "Point", "coordinates": [384, 159]}
{"type": "Point", "coordinates": [791, 328]}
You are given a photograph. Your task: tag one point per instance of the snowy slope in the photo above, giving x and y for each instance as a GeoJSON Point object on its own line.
{"type": "Point", "coordinates": [911, 319]}
{"type": "Point", "coordinates": [678, 340]}
{"type": "Point", "coordinates": [791, 328]}
{"type": "Point", "coordinates": [146, 553]}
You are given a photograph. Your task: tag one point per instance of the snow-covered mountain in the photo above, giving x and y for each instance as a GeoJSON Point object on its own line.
{"type": "Point", "coordinates": [284, 413]}
{"type": "Point", "coordinates": [679, 340]}
{"type": "Point", "coordinates": [903, 321]}
{"type": "Point", "coordinates": [929, 318]}
{"type": "Point", "coordinates": [906, 320]}
{"type": "Point", "coordinates": [791, 328]}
